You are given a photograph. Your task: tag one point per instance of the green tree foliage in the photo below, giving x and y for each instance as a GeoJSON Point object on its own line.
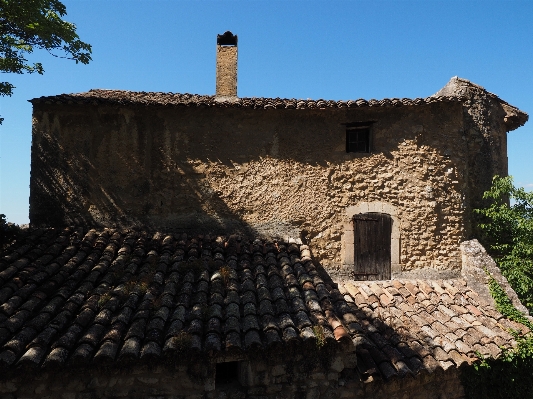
{"type": "Point", "coordinates": [507, 228]}
{"type": "Point", "coordinates": [8, 231]}
{"type": "Point", "coordinates": [26, 25]}
{"type": "Point", "coordinates": [507, 232]}
{"type": "Point", "coordinates": [511, 374]}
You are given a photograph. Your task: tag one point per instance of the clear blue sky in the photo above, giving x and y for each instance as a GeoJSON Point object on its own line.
{"type": "Point", "coordinates": [296, 49]}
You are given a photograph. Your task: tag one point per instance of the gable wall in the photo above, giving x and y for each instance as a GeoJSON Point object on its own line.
{"type": "Point", "coordinates": [268, 172]}
{"type": "Point", "coordinates": [260, 381]}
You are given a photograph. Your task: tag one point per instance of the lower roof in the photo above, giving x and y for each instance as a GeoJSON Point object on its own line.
{"type": "Point", "coordinates": [72, 297]}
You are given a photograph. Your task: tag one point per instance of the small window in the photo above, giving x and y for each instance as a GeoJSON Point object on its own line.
{"type": "Point", "coordinates": [226, 373]}
{"type": "Point", "coordinates": [358, 137]}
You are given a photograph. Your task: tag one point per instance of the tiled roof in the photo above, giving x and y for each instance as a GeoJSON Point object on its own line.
{"type": "Point", "coordinates": [460, 87]}
{"type": "Point", "coordinates": [122, 97]}
{"type": "Point", "coordinates": [69, 297]}
{"type": "Point", "coordinates": [404, 326]}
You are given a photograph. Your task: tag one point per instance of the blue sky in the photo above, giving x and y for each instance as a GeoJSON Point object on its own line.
{"type": "Point", "coordinates": [297, 49]}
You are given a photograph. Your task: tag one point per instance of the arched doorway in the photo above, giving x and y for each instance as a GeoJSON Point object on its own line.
{"type": "Point", "coordinates": [372, 249]}
{"type": "Point", "coordinates": [348, 237]}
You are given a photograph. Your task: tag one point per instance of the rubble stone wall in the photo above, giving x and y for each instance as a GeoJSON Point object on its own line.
{"type": "Point", "coordinates": [268, 383]}
{"type": "Point", "coordinates": [478, 266]}
{"type": "Point", "coordinates": [276, 172]}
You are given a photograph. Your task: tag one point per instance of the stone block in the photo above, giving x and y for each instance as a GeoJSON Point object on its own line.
{"type": "Point", "coordinates": [97, 382]}
{"type": "Point", "coordinates": [118, 392]}
{"type": "Point", "coordinates": [351, 210]}
{"type": "Point", "coordinates": [41, 377]}
{"type": "Point", "coordinates": [318, 376]}
{"type": "Point", "coordinates": [256, 390]}
{"type": "Point", "coordinates": [261, 378]}
{"type": "Point", "coordinates": [333, 376]}
{"type": "Point", "coordinates": [112, 381]}
{"type": "Point", "coordinates": [395, 251]}
{"type": "Point", "coordinates": [87, 395]}
{"type": "Point", "coordinates": [312, 384]}
{"type": "Point", "coordinates": [282, 379]}
{"type": "Point", "coordinates": [209, 384]}
{"type": "Point", "coordinates": [272, 388]}
{"type": "Point", "coordinates": [40, 389]}
{"type": "Point", "coordinates": [74, 385]}
{"type": "Point", "coordinates": [312, 393]}
{"type": "Point", "coordinates": [389, 209]}
{"type": "Point", "coordinates": [363, 207]}
{"type": "Point", "coordinates": [125, 381]}
{"type": "Point", "coordinates": [396, 228]}
{"type": "Point", "coordinates": [237, 395]}
{"type": "Point", "coordinates": [246, 376]}
{"type": "Point", "coordinates": [376, 206]}
{"type": "Point", "coordinates": [337, 365]}
{"type": "Point", "coordinates": [350, 360]}
{"type": "Point", "coordinates": [278, 370]}
{"type": "Point", "coordinates": [148, 380]}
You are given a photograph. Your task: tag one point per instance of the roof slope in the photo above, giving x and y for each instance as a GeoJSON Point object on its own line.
{"type": "Point", "coordinates": [123, 97]}
{"type": "Point", "coordinates": [71, 298]}
{"type": "Point", "coordinates": [456, 90]}
{"type": "Point", "coordinates": [463, 88]}
{"type": "Point", "coordinates": [404, 326]}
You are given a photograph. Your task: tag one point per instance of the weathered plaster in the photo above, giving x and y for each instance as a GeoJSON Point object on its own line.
{"type": "Point", "coordinates": [269, 172]}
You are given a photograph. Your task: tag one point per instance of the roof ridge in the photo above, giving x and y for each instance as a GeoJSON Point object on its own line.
{"type": "Point", "coordinates": [111, 96]}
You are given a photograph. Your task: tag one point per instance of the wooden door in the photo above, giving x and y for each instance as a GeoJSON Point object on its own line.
{"type": "Point", "coordinates": [372, 243]}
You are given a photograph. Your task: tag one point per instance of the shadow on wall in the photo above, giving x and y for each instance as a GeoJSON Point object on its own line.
{"type": "Point", "coordinates": [71, 191]}
{"type": "Point", "coordinates": [190, 169]}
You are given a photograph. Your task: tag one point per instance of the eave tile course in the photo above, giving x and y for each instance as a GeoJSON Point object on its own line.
{"type": "Point", "coordinates": [125, 97]}
{"type": "Point", "coordinates": [70, 297]}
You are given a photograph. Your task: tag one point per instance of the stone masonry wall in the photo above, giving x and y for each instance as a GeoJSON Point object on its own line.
{"type": "Point", "coordinates": [158, 382]}
{"type": "Point", "coordinates": [265, 172]}
{"type": "Point", "coordinates": [486, 122]}
{"type": "Point", "coordinates": [226, 75]}
{"type": "Point", "coordinates": [477, 266]}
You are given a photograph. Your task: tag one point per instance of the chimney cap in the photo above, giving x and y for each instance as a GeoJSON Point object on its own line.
{"type": "Point", "coordinates": [227, 39]}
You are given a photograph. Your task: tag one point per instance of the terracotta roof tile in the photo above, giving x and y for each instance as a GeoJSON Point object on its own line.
{"type": "Point", "coordinates": [108, 296]}
{"type": "Point", "coordinates": [443, 333]}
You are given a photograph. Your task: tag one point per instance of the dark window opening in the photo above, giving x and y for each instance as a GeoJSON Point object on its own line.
{"type": "Point", "coordinates": [358, 140]}
{"type": "Point", "coordinates": [226, 373]}
{"type": "Point", "coordinates": [359, 137]}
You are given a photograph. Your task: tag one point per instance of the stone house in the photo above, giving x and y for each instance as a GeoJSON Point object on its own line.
{"type": "Point", "coordinates": [274, 167]}
{"type": "Point", "coordinates": [190, 246]}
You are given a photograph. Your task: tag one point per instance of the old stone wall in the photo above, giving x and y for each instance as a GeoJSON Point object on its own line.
{"type": "Point", "coordinates": [477, 266]}
{"type": "Point", "coordinates": [258, 381]}
{"type": "Point", "coordinates": [266, 172]}
{"type": "Point", "coordinates": [487, 119]}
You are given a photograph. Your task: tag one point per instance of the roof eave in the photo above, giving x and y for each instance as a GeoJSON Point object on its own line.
{"type": "Point", "coordinates": [459, 87]}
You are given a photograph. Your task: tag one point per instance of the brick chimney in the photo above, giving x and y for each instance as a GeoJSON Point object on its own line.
{"type": "Point", "coordinates": [226, 66]}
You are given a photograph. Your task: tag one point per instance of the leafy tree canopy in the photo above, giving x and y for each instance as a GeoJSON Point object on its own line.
{"type": "Point", "coordinates": [507, 227]}
{"type": "Point", "coordinates": [506, 224]}
{"type": "Point", "coordinates": [26, 25]}
{"type": "Point", "coordinates": [8, 231]}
